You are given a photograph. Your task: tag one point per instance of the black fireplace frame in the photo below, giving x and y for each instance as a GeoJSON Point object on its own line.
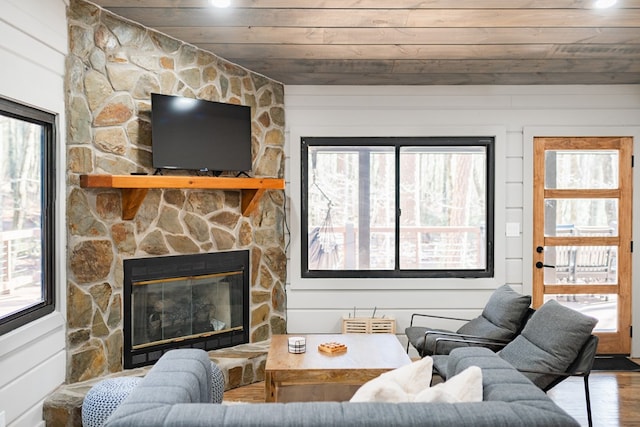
{"type": "Point", "coordinates": [177, 266]}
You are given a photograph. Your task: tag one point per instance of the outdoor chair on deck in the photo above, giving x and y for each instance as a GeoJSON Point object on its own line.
{"type": "Point", "coordinates": [501, 320]}
{"type": "Point", "coordinates": [556, 343]}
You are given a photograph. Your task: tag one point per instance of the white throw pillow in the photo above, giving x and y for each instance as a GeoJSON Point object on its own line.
{"type": "Point", "coordinates": [464, 387]}
{"type": "Point", "coordinates": [411, 383]}
{"type": "Point", "coordinates": [399, 385]}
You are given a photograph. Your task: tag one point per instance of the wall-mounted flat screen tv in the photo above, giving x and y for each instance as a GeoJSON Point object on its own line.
{"type": "Point", "coordinates": [201, 135]}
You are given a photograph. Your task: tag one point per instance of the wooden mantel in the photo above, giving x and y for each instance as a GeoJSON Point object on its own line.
{"type": "Point", "coordinates": [135, 187]}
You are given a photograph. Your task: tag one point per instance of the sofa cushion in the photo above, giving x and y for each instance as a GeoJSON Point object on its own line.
{"type": "Point", "coordinates": [550, 341]}
{"type": "Point", "coordinates": [462, 358]}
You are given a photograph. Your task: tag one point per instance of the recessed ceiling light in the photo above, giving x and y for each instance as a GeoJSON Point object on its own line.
{"type": "Point", "coordinates": [221, 3]}
{"type": "Point", "coordinates": [603, 4]}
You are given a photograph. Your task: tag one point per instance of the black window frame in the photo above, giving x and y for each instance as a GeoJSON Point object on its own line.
{"type": "Point", "coordinates": [487, 141]}
{"type": "Point", "coordinates": [48, 122]}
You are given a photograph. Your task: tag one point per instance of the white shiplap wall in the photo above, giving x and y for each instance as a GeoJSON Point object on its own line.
{"type": "Point", "coordinates": [510, 113]}
{"type": "Point", "coordinates": [33, 46]}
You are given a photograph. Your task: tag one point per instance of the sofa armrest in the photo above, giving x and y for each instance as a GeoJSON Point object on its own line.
{"type": "Point", "coordinates": [180, 376]}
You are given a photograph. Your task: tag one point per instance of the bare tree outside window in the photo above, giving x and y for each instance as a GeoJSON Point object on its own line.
{"type": "Point", "coordinates": [26, 143]}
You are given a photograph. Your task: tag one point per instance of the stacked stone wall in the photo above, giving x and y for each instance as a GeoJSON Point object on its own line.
{"type": "Point", "coordinates": [113, 67]}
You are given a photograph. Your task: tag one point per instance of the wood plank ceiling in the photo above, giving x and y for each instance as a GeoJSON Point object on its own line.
{"type": "Point", "coordinates": [409, 42]}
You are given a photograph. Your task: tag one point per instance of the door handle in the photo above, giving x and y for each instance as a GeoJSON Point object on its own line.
{"type": "Point", "coordinates": [539, 264]}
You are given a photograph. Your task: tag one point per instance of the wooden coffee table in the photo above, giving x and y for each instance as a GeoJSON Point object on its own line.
{"type": "Point", "coordinates": [317, 376]}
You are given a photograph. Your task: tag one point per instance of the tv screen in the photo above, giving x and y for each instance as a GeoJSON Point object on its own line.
{"type": "Point", "coordinates": [200, 135]}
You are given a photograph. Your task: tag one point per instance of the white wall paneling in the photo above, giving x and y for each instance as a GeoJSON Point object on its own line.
{"type": "Point", "coordinates": [33, 47]}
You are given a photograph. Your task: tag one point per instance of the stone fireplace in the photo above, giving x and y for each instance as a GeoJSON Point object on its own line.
{"type": "Point", "coordinates": [112, 68]}
{"type": "Point", "coordinates": [184, 301]}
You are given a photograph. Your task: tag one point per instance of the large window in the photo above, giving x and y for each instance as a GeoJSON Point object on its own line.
{"type": "Point", "coordinates": [27, 144]}
{"type": "Point", "coordinates": [397, 207]}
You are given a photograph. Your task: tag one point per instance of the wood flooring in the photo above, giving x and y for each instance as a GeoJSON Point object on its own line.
{"type": "Point", "coordinates": [615, 398]}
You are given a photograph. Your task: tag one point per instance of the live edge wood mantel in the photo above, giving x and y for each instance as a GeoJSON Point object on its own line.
{"type": "Point", "coordinates": [134, 187]}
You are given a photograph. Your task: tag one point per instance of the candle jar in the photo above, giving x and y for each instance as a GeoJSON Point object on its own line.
{"type": "Point", "coordinates": [297, 345]}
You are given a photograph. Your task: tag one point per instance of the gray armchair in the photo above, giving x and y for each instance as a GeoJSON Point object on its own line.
{"type": "Point", "coordinates": [501, 320]}
{"type": "Point", "coordinates": [556, 343]}
{"type": "Point", "coordinates": [581, 367]}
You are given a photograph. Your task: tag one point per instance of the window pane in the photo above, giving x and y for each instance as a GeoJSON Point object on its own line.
{"type": "Point", "coordinates": [397, 207]}
{"type": "Point", "coordinates": [580, 264]}
{"type": "Point", "coordinates": [350, 212]}
{"type": "Point", "coordinates": [582, 217]}
{"type": "Point", "coordinates": [20, 225]}
{"type": "Point", "coordinates": [443, 204]}
{"type": "Point", "coordinates": [581, 169]}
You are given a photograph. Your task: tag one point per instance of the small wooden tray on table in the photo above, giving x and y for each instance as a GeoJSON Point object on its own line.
{"type": "Point", "coordinates": [332, 348]}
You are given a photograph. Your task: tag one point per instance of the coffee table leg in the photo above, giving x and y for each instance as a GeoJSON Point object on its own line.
{"type": "Point", "coordinates": [270, 388]}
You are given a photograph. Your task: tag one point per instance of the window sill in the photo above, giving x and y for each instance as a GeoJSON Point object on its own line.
{"type": "Point", "coordinates": [23, 335]}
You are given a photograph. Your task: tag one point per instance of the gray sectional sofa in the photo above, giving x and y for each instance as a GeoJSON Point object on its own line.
{"type": "Point", "coordinates": [176, 392]}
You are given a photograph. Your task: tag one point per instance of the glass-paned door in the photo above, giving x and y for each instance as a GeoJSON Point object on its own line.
{"type": "Point", "coordinates": [582, 231]}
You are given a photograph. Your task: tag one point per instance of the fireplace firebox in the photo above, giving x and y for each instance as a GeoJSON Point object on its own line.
{"type": "Point", "coordinates": [184, 301]}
